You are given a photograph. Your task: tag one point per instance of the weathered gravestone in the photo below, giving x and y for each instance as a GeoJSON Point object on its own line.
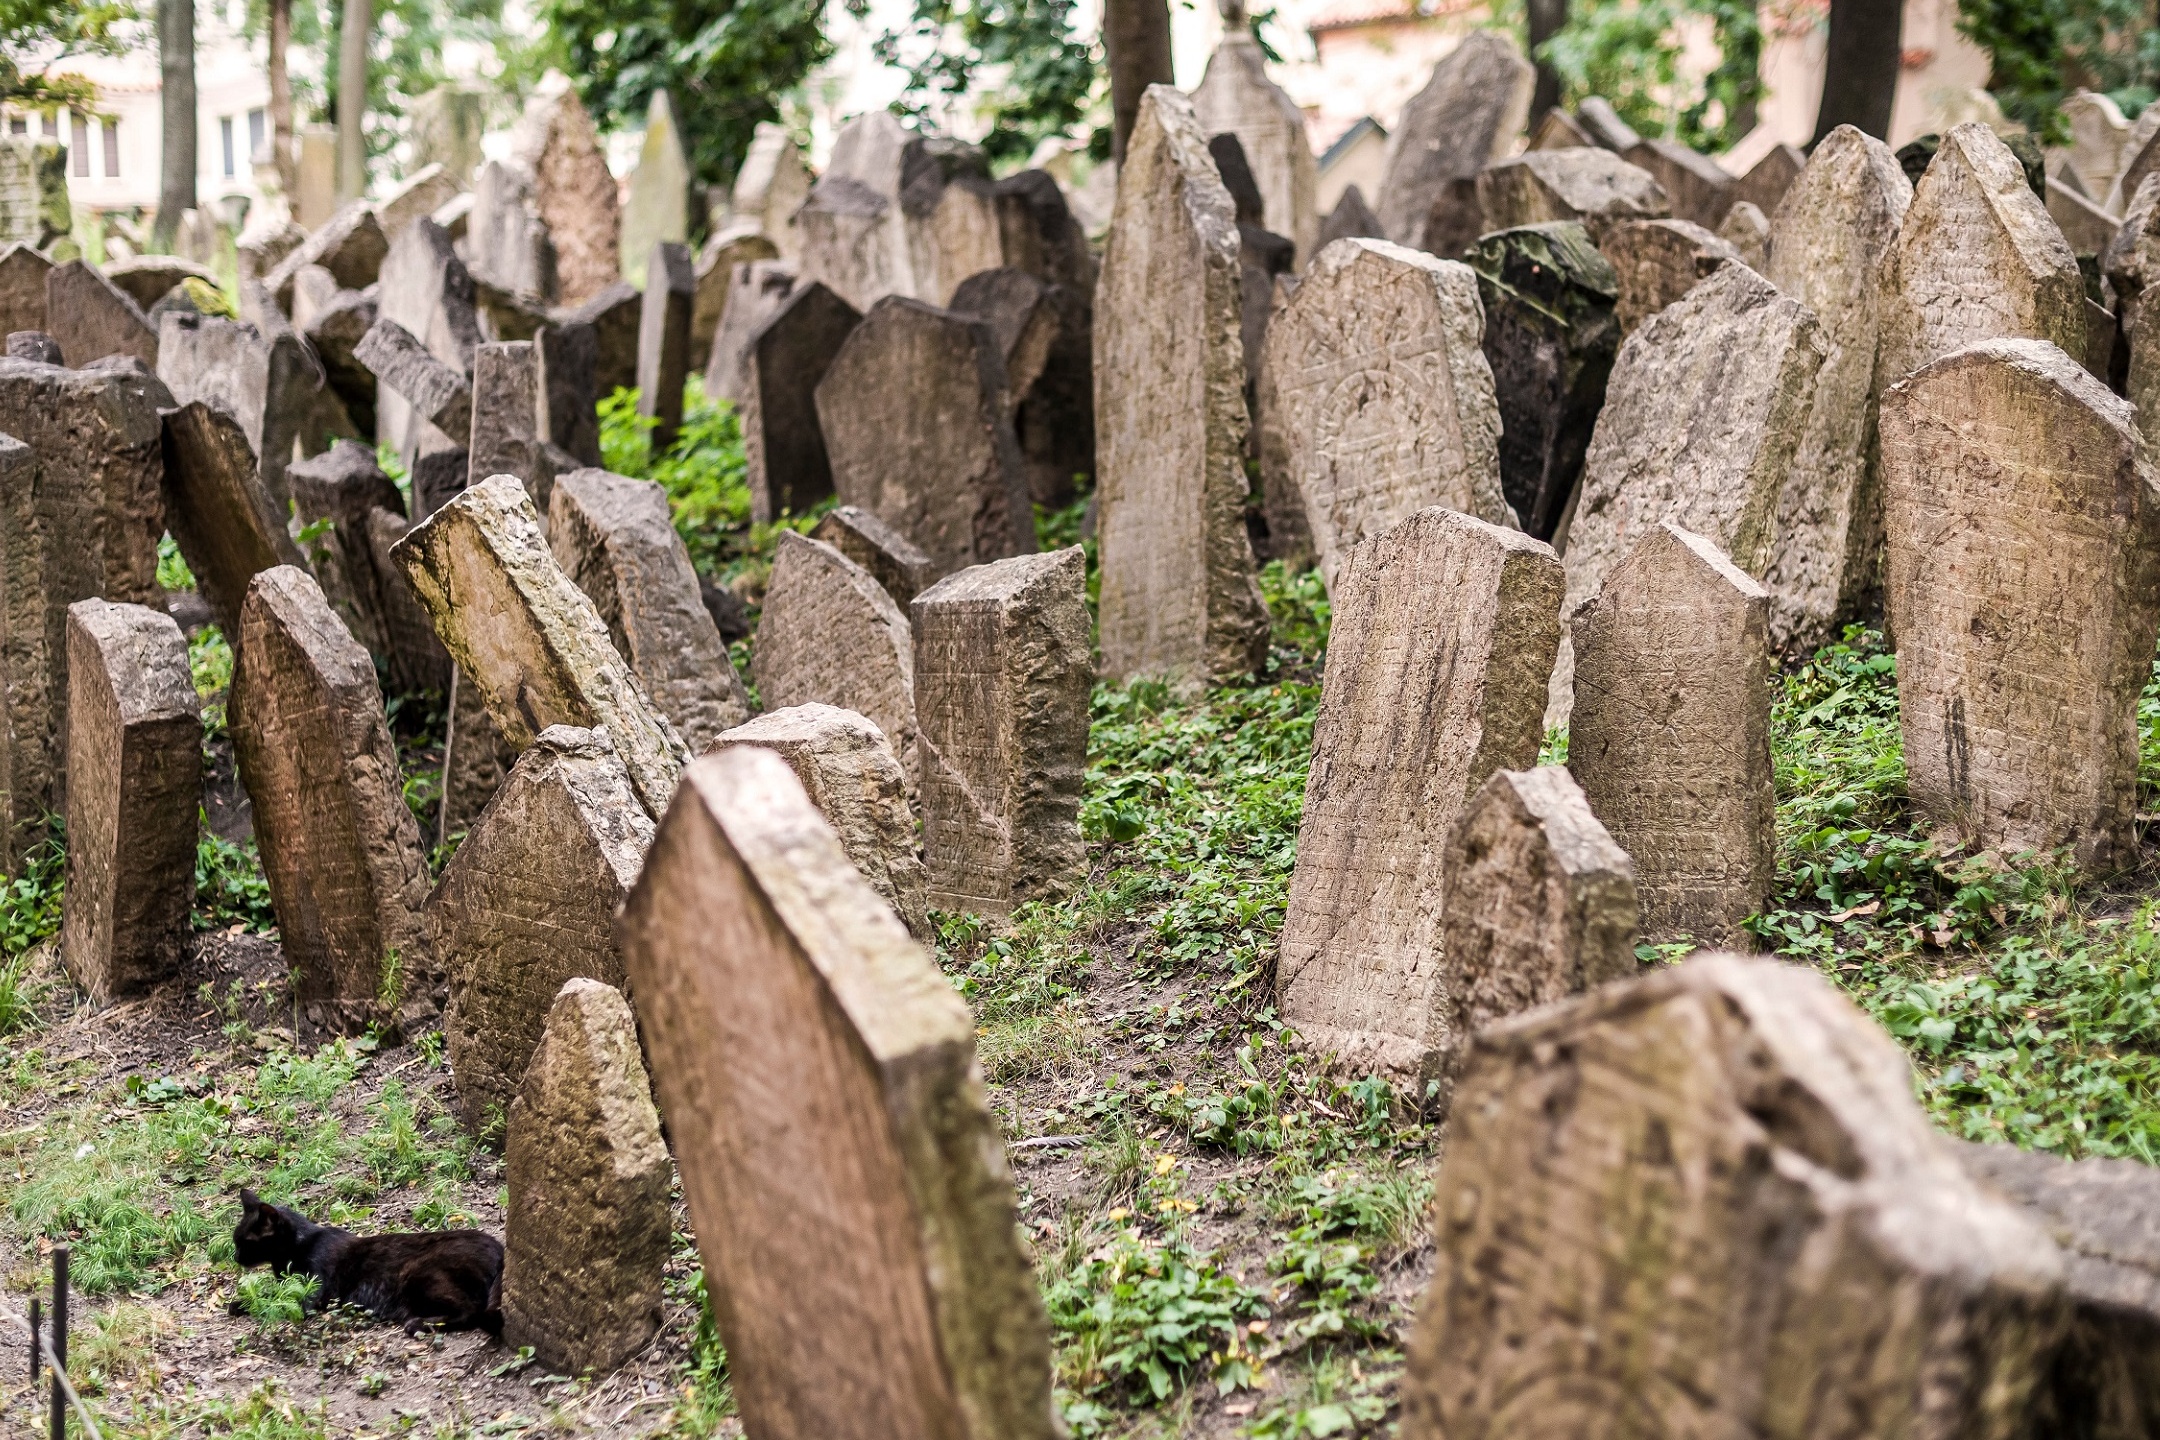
{"type": "Point", "coordinates": [1767, 182]}
{"type": "Point", "coordinates": [848, 769]}
{"type": "Point", "coordinates": [1056, 417]}
{"type": "Point", "coordinates": [1178, 595]}
{"type": "Point", "coordinates": [1236, 97]}
{"type": "Point", "coordinates": [268, 381]}
{"type": "Point", "coordinates": [1594, 187]}
{"type": "Point", "coordinates": [1550, 338]}
{"type": "Point", "coordinates": [858, 1221]}
{"type": "Point", "coordinates": [1016, 305]}
{"type": "Point", "coordinates": [418, 662]}
{"type": "Point", "coordinates": [756, 291]}
{"type": "Point", "coordinates": [1976, 258]}
{"type": "Point", "coordinates": [223, 519]}
{"type": "Point", "coordinates": [2139, 157]}
{"type": "Point", "coordinates": [147, 279]}
{"type": "Point", "coordinates": [2023, 583]}
{"type": "Point", "coordinates": [656, 208]}
{"type": "Point", "coordinates": [614, 315]}
{"type": "Point", "coordinates": [572, 189]}
{"type": "Point", "coordinates": [506, 418]}
{"type": "Point", "coordinates": [566, 388]}
{"type": "Point", "coordinates": [425, 289]}
{"type": "Point", "coordinates": [476, 757]}
{"type": "Point", "coordinates": [585, 1226]}
{"type": "Point", "coordinates": [1002, 674]}
{"type": "Point", "coordinates": [912, 410]}
{"type": "Point", "coordinates": [614, 538]}
{"type": "Point", "coordinates": [339, 847]}
{"type": "Point", "coordinates": [335, 329]}
{"type": "Point", "coordinates": [1704, 1202]}
{"type": "Point", "coordinates": [1444, 632]}
{"type": "Point", "coordinates": [739, 244]}
{"type": "Point", "coordinates": [134, 754]}
{"type": "Point", "coordinates": [883, 551]}
{"type": "Point", "coordinates": [829, 634]}
{"type": "Point", "coordinates": [1670, 734]}
{"type": "Point", "coordinates": [1351, 219]}
{"type": "Point", "coordinates": [2131, 264]}
{"type": "Point", "coordinates": [427, 187]}
{"type": "Point", "coordinates": [527, 638]}
{"type": "Point", "coordinates": [1467, 116]}
{"type": "Point", "coordinates": [1703, 414]}
{"type": "Point", "coordinates": [339, 493]}
{"type": "Point", "coordinates": [351, 247]}
{"type": "Point", "coordinates": [782, 363]}
{"type": "Point", "coordinates": [2085, 226]}
{"type": "Point", "coordinates": [1747, 230]}
{"type": "Point", "coordinates": [1537, 904]}
{"type": "Point", "coordinates": [526, 904]}
{"type": "Point", "coordinates": [1699, 189]}
{"type": "Point", "coordinates": [771, 186]}
{"type": "Point", "coordinates": [897, 213]}
{"type": "Point", "coordinates": [1559, 131]}
{"type": "Point", "coordinates": [92, 318]}
{"type": "Point", "coordinates": [2097, 132]}
{"type": "Point", "coordinates": [664, 341]}
{"type": "Point", "coordinates": [1831, 239]}
{"type": "Point", "coordinates": [1604, 126]}
{"type": "Point", "coordinates": [1657, 262]}
{"type": "Point", "coordinates": [22, 288]}
{"type": "Point", "coordinates": [1386, 401]}
{"type": "Point", "coordinates": [435, 392]}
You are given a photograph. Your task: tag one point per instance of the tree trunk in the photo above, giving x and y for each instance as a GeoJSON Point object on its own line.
{"type": "Point", "coordinates": [1136, 35]}
{"type": "Point", "coordinates": [352, 99]}
{"type": "Point", "coordinates": [1861, 68]}
{"type": "Point", "coordinates": [281, 131]}
{"type": "Point", "coordinates": [176, 165]}
{"type": "Point", "coordinates": [1547, 19]}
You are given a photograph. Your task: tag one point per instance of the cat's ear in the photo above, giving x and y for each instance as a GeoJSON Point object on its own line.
{"type": "Point", "coordinates": [250, 1202]}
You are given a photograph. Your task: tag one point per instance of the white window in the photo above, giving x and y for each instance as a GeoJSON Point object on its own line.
{"type": "Point", "coordinates": [112, 148]}
{"type": "Point", "coordinates": [79, 144]}
{"type": "Point", "coordinates": [256, 119]}
{"type": "Point", "coordinates": [225, 134]}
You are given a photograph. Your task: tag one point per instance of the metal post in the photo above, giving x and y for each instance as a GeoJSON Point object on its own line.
{"type": "Point", "coordinates": [59, 1340]}
{"type": "Point", "coordinates": [37, 1356]}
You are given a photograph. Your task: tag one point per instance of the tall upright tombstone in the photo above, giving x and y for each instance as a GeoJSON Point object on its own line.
{"type": "Point", "coordinates": [1444, 633]}
{"type": "Point", "coordinates": [1976, 258]}
{"type": "Point", "coordinates": [1468, 114]}
{"type": "Point", "coordinates": [134, 752]}
{"type": "Point", "coordinates": [221, 516]}
{"type": "Point", "coordinates": [573, 190]}
{"type": "Point", "coordinates": [913, 414]}
{"type": "Point", "coordinates": [1829, 243]}
{"type": "Point", "coordinates": [339, 493]}
{"type": "Point", "coordinates": [664, 340]}
{"type": "Point", "coordinates": [1386, 400]}
{"type": "Point", "coordinates": [2024, 588]}
{"type": "Point", "coordinates": [1235, 96]}
{"type": "Point", "coordinates": [425, 288]}
{"type": "Point", "coordinates": [1002, 675]}
{"type": "Point", "coordinates": [771, 186]}
{"type": "Point", "coordinates": [505, 434]}
{"type": "Point", "coordinates": [829, 634]}
{"type": "Point", "coordinates": [656, 208]}
{"type": "Point", "coordinates": [784, 360]}
{"type": "Point", "coordinates": [339, 847]}
{"type": "Point", "coordinates": [1178, 595]}
{"type": "Point", "coordinates": [527, 904]}
{"type": "Point", "coordinates": [1705, 1202]}
{"type": "Point", "coordinates": [859, 1221]}
{"type": "Point", "coordinates": [566, 389]}
{"type": "Point", "coordinates": [527, 638]}
{"type": "Point", "coordinates": [1670, 734]}
{"type": "Point", "coordinates": [1769, 180]}
{"type": "Point", "coordinates": [614, 537]}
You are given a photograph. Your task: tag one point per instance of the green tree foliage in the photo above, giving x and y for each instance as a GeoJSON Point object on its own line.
{"type": "Point", "coordinates": [1015, 63]}
{"type": "Point", "coordinates": [724, 63]}
{"type": "Point", "coordinates": [2041, 50]}
{"type": "Point", "coordinates": [1629, 52]}
{"type": "Point", "coordinates": [39, 37]}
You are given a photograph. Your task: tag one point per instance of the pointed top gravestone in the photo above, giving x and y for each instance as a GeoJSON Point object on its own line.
{"type": "Point", "coordinates": [1771, 178]}
{"type": "Point", "coordinates": [771, 186]}
{"type": "Point", "coordinates": [658, 207]}
{"type": "Point", "coordinates": [573, 190]}
{"type": "Point", "coordinates": [783, 361]}
{"type": "Point", "coordinates": [1699, 189]}
{"type": "Point", "coordinates": [1236, 96]}
{"type": "Point", "coordinates": [22, 289]}
{"type": "Point", "coordinates": [92, 318]}
{"type": "Point", "coordinates": [1467, 116]}
{"type": "Point", "coordinates": [664, 341]}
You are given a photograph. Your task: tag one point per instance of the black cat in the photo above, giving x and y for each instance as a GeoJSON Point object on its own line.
{"type": "Point", "coordinates": [453, 1277]}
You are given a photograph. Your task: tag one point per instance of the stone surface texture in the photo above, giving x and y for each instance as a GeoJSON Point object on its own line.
{"type": "Point", "coordinates": [270, 381]}
{"type": "Point", "coordinates": [572, 189]}
{"type": "Point", "coordinates": [782, 363]}
{"type": "Point", "coordinates": [92, 318]}
{"type": "Point", "coordinates": [338, 492]}
{"type": "Point", "coordinates": [891, 559]}
{"type": "Point", "coordinates": [22, 288]}
{"type": "Point", "coordinates": [1700, 190]}
{"type": "Point", "coordinates": [425, 288]}
{"type": "Point", "coordinates": [829, 634]}
{"type": "Point", "coordinates": [1592, 186]}
{"type": "Point", "coordinates": [440, 394]}
{"type": "Point", "coordinates": [756, 290]}
{"type": "Point", "coordinates": [1469, 114]}
{"type": "Point", "coordinates": [219, 512]}
{"type": "Point", "coordinates": [1657, 262]}
{"type": "Point", "coordinates": [664, 339]}
{"type": "Point", "coordinates": [1235, 96]}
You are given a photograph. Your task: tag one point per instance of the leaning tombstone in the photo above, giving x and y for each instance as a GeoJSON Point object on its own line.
{"type": "Point", "coordinates": [2018, 506]}
{"type": "Point", "coordinates": [527, 638]}
{"type": "Point", "coordinates": [2097, 131]}
{"type": "Point", "coordinates": [435, 392]}
{"type": "Point", "coordinates": [1604, 126]}
{"type": "Point", "coordinates": [1593, 186]}
{"type": "Point", "coordinates": [224, 521]}
{"type": "Point", "coordinates": [1468, 115]}
{"type": "Point", "coordinates": [664, 341]}
{"type": "Point", "coordinates": [351, 247]}
{"type": "Point", "coordinates": [476, 757]}
{"type": "Point", "coordinates": [1056, 417]}
{"type": "Point", "coordinates": [269, 381]}
{"type": "Point", "coordinates": [1002, 674]}
{"type": "Point", "coordinates": [1386, 400]}
{"type": "Point", "coordinates": [1747, 230]}
{"type": "Point", "coordinates": [526, 905]}
{"type": "Point", "coordinates": [850, 773]}
{"type": "Point", "coordinates": [1016, 304]}
{"type": "Point", "coordinates": [334, 330]}
{"type": "Point", "coordinates": [912, 410]}
{"type": "Point", "coordinates": [573, 191]}
{"type": "Point", "coordinates": [782, 363]}
{"type": "Point", "coordinates": [1444, 627]}
{"type": "Point", "coordinates": [1973, 215]}
{"type": "Point", "coordinates": [1179, 599]}
{"type": "Point", "coordinates": [894, 563]}
{"type": "Point", "coordinates": [585, 1219]}
{"type": "Point", "coordinates": [715, 274]}
{"type": "Point", "coordinates": [755, 950]}
{"type": "Point", "coordinates": [756, 291]}
{"type": "Point", "coordinates": [428, 187]}
{"type": "Point", "coordinates": [1559, 131]}
{"type": "Point", "coordinates": [339, 847]}
{"type": "Point", "coordinates": [134, 752]}
{"type": "Point", "coordinates": [1741, 1131]}
{"type": "Point", "coordinates": [1830, 242]}
{"type": "Point", "coordinates": [147, 279]}
{"type": "Point", "coordinates": [1699, 188]}
{"type": "Point", "coordinates": [1236, 96]}
{"type": "Point", "coordinates": [1537, 904]}
{"type": "Point", "coordinates": [1550, 338]}
{"type": "Point", "coordinates": [418, 663]}
{"type": "Point", "coordinates": [656, 203]}
{"type": "Point", "coordinates": [1657, 262]}
{"type": "Point", "coordinates": [614, 537]}
{"type": "Point", "coordinates": [22, 288]}
{"type": "Point", "coordinates": [1670, 734]}
{"type": "Point", "coordinates": [506, 417]}
{"type": "Point", "coordinates": [426, 290]}
{"type": "Point", "coordinates": [829, 634]}
{"type": "Point", "coordinates": [92, 318]}
{"type": "Point", "coordinates": [2086, 227]}
{"type": "Point", "coordinates": [346, 500]}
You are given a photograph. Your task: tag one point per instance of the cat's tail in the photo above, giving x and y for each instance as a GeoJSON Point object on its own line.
{"type": "Point", "coordinates": [491, 1319]}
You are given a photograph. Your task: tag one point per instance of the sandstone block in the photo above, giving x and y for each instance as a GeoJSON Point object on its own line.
{"type": "Point", "coordinates": [1698, 187]}
{"type": "Point", "coordinates": [664, 341]}
{"type": "Point", "coordinates": [1744, 1134]}
{"type": "Point", "coordinates": [656, 205]}
{"type": "Point", "coordinates": [1469, 114]}
{"type": "Point", "coordinates": [92, 318]}
{"type": "Point", "coordinates": [268, 380]}
{"type": "Point", "coordinates": [1002, 674]}
{"type": "Point", "coordinates": [1386, 399]}
{"type": "Point", "coordinates": [849, 771]}
{"type": "Point", "coordinates": [527, 638]}
{"type": "Point", "coordinates": [227, 526]}
{"type": "Point", "coordinates": [1747, 230]}
{"type": "Point", "coordinates": [756, 291]}
{"type": "Point", "coordinates": [782, 363]}
{"type": "Point", "coordinates": [1657, 262]}
{"type": "Point", "coordinates": [883, 551]}
{"type": "Point", "coordinates": [22, 288]}
{"type": "Point", "coordinates": [567, 387]}
{"type": "Point", "coordinates": [1592, 186]}
{"type": "Point", "coordinates": [615, 539]}
{"type": "Point", "coordinates": [573, 191]}
{"type": "Point", "coordinates": [476, 759]}
{"type": "Point", "coordinates": [1178, 595]}
{"type": "Point", "coordinates": [436, 392]}
{"type": "Point", "coordinates": [1351, 219]}
{"type": "Point", "coordinates": [339, 847]}
{"type": "Point", "coordinates": [1445, 629]}
{"type": "Point", "coordinates": [134, 750]}
{"type": "Point", "coordinates": [771, 186]}
{"type": "Point", "coordinates": [506, 418]}
{"type": "Point", "coordinates": [1236, 96]}
{"type": "Point", "coordinates": [829, 634]}
{"type": "Point", "coordinates": [1670, 735]}
{"type": "Point", "coordinates": [756, 951]}
{"type": "Point", "coordinates": [2022, 584]}
{"type": "Point", "coordinates": [912, 409]}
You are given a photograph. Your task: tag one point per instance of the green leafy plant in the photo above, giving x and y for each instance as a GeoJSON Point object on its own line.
{"type": "Point", "coordinates": [1141, 1318]}
{"type": "Point", "coordinates": [274, 1299]}
{"type": "Point", "coordinates": [1630, 52]}
{"type": "Point", "coordinates": [30, 903]}
{"type": "Point", "coordinates": [1016, 66]}
{"type": "Point", "coordinates": [230, 888]}
{"type": "Point", "coordinates": [2041, 50]}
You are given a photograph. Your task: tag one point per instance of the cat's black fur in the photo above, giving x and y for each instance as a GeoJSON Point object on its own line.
{"type": "Point", "coordinates": [450, 1277]}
